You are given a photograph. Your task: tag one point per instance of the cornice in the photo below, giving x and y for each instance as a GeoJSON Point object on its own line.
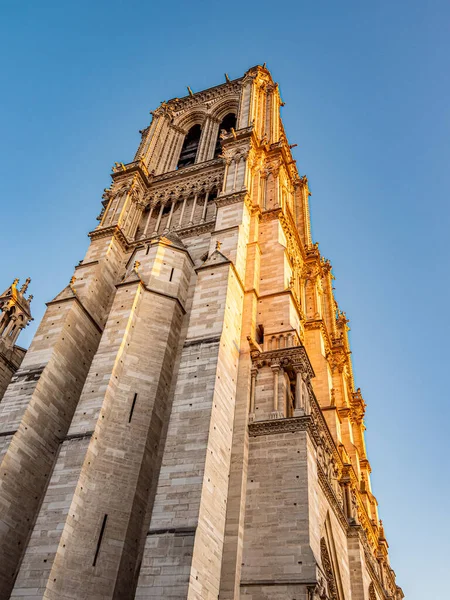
{"type": "Point", "coordinates": [137, 166]}
{"type": "Point", "coordinates": [233, 198]}
{"type": "Point", "coordinates": [112, 231]}
{"type": "Point", "coordinates": [196, 229]}
{"type": "Point", "coordinates": [294, 355]}
{"type": "Point", "coordinates": [277, 426]}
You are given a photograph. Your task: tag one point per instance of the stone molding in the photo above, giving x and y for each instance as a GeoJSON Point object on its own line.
{"type": "Point", "coordinates": [113, 231]}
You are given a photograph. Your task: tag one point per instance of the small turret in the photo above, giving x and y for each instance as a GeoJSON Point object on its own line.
{"type": "Point", "coordinates": [15, 313]}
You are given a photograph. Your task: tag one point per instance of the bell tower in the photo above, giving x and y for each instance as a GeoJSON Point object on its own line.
{"type": "Point", "coordinates": [192, 427]}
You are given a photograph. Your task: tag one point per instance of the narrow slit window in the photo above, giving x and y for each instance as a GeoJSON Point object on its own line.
{"type": "Point", "coordinates": [171, 274]}
{"type": "Point", "coordinates": [100, 537]}
{"type": "Point", "coordinates": [133, 404]}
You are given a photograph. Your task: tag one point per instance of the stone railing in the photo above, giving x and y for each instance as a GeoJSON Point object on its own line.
{"type": "Point", "coordinates": [284, 339]}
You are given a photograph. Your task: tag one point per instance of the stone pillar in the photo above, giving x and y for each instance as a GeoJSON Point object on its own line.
{"type": "Point", "coordinates": [299, 408]}
{"type": "Point", "coordinates": [254, 373]}
{"type": "Point", "coordinates": [169, 220]}
{"type": "Point", "coordinates": [194, 204]}
{"type": "Point", "coordinates": [182, 212]}
{"type": "Point", "coordinates": [158, 220]}
{"type": "Point", "coordinates": [147, 224]}
{"type": "Point", "coordinates": [276, 412]}
{"type": "Point", "coordinates": [205, 206]}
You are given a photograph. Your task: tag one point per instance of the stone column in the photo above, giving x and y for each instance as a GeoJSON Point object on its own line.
{"type": "Point", "coordinates": [169, 220]}
{"type": "Point", "coordinates": [191, 220]}
{"type": "Point", "coordinates": [182, 212]}
{"type": "Point", "coordinates": [205, 206]}
{"type": "Point", "coordinates": [158, 221]}
{"type": "Point", "coordinates": [276, 413]}
{"type": "Point", "coordinates": [299, 408]}
{"type": "Point", "coordinates": [254, 373]}
{"type": "Point", "coordinates": [148, 220]}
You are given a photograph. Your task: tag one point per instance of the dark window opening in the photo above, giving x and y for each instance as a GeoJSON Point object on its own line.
{"type": "Point", "coordinates": [212, 195]}
{"type": "Point", "coordinates": [260, 334]}
{"type": "Point", "coordinates": [228, 122]}
{"type": "Point", "coordinates": [190, 147]}
{"type": "Point", "coordinates": [100, 537]}
{"type": "Point", "coordinates": [133, 404]}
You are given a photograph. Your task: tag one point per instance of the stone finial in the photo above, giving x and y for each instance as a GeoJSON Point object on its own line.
{"type": "Point", "coordinates": [24, 288]}
{"type": "Point", "coordinates": [136, 265]}
{"type": "Point", "coordinates": [218, 245]}
{"type": "Point", "coordinates": [227, 79]}
{"type": "Point", "coordinates": [191, 93]}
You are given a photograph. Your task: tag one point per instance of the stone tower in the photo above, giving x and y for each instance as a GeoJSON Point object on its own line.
{"type": "Point", "coordinates": [192, 428]}
{"type": "Point", "coordinates": [15, 315]}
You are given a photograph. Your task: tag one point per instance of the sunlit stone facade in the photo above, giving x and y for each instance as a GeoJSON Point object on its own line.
{"type": "Point", "coordinates": [194, 430]}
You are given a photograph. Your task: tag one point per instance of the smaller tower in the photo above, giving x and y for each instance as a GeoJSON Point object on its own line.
{"type": "Point", "coordinates": [15, 315]}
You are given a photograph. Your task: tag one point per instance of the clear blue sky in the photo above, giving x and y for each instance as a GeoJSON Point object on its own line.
{"type": "Point", "coordinates": [367, 89]}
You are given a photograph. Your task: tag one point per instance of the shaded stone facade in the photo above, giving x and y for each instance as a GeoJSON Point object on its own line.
{"type": "Point", "coordinates": [192, 428]}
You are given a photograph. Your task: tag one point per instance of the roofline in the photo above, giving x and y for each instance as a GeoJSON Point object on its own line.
{"type": "Point", "coordinates": [206, 90]}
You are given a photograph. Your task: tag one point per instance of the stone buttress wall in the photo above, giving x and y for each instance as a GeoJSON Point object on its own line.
{"type": "Point", "coordinates": [10, 361]}
{"type": "Point", "coordinates": [38, 406]}
{"type": "Point", "coordinates": [184, 546]}
{"type": "Point", "coordinates": [109, 460]}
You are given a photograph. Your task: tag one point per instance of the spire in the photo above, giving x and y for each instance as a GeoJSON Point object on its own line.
{"type": "Point", "coordinates": [24, 288]}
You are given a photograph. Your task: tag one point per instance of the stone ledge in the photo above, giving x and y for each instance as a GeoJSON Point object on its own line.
{"type": "Point", "coordinates": [274, 426]}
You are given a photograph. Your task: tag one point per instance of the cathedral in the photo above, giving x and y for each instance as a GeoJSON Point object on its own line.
{"type": "Point", "coordinates": [185, 423]}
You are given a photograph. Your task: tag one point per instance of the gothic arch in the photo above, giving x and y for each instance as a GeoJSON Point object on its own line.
{"type": "Point", "coordinates": [226, 106]}
{"type": "Point", "coordinates": [330, 562]}
{"type": "Point", "coordinates": [196, 116]}
{"type": "Point", "coordinates": [328, 570]}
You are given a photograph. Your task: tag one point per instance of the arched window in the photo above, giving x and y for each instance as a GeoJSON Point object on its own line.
{"type": "Point", "coordinates": [190, 147]}
{"type": "Point", "coordinates": [228, 122]}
